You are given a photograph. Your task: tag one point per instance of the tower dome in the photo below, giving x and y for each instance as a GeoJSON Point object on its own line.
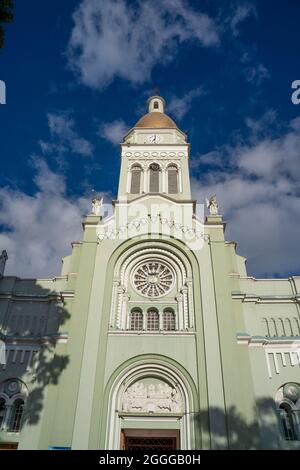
{"type": "Point", "coordinates": [156, 118]}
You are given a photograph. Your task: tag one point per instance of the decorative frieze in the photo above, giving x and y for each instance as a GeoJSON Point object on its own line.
{"type": "Point", "coordinates": [139, 226]}
{"type": "Point", "coordinates": [155, 154]}
{"type": "Point", "coordinates": [279, 352]}
{"type": "Point", "coordinates": [159, 398]}
{"type": "Point", "coordinates": [276, 358]}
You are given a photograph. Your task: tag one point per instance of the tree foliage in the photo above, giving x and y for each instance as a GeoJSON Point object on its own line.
{"type": "Point", "coordinates": [6, 16]}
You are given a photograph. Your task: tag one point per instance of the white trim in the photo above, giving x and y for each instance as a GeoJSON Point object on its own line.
{"type": "Point", "coordinates": [164, 180]}
{"type": "Point", "coordinates": [265, 299]}
{"type": "Point", "coordinates": [151, 333]}
{"type": "Point", "coordinates": [128, 180]}
{"type": "Point", "coordinates": [180, 180]}
{"type": "Point", "coordinates": [259, 341]}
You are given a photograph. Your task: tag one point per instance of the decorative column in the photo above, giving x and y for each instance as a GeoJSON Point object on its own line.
{"type": "Point", "coordinates": [184, 292]}
{"type": "Point", "coordinates": [121, 317]}
{"type": "Point", "coordinates": [180, 179]}
{"type": "Point", "coordinates": [145, 320]}
{"type": "Point", "coordinates": [119, 291]}
{"type": "Point", "coordinates": [189, 283]}
{"type": "Point", "coordinates": [7, 417]}
{"type": "Point", "coordinates": [116, 283]}
{"type": "Point", "coordinates": [146, 178]}
{"type": "Point", "coordinates": [164, 179]}
{"type": "Point", "coordinates": [179, 299]}
{"type": "Point", "coordinates": [128, 181]}
{"type": "Point", "coordinates": [160, 318]}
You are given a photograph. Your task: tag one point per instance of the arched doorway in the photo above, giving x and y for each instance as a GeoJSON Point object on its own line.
{"type": "Point", "coordinates": [150, 408]}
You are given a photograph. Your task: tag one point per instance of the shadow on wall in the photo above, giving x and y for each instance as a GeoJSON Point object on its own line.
{"type": "Point", "coordinates": [243, 434]}
{"type": "Point", "coordinates": [32, 325]}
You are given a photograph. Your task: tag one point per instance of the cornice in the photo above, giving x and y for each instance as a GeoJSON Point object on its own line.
{"type": "Point", "coordinates": [262, 341]}
{"type": "Point", "coordinates": [26, 297]}
{"type": "Point", "coordinates": [265, 299]}
{"type": "Point", "coordinates": [119, 202]}
{"type": "Point", "coordinates": [157, 334]}
{"type": "Point", "coordinates": [35, 340]}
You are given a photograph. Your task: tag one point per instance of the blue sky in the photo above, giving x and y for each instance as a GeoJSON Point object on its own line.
{"type": "Point", "coordinates": [78, 74]}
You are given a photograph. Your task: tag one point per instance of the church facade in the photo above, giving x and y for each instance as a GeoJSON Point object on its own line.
{"type": "Point", "coordinates": [153, 336]}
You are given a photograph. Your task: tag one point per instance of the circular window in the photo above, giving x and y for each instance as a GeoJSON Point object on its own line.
{"type": "Point", "coordinates": [153, 279]}
{"type": "Point", "coordinates": [12, 387]}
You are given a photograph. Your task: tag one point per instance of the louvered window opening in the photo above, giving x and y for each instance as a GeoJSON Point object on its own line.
{"type": "Point", "coordinates": [136, 180]}
{"type": "Point", "coordinates": [154, 179]}
{"type": "Point", "coordinates": [172, 180]}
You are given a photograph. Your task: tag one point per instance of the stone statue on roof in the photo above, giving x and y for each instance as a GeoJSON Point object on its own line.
{"type": "Point", "coordinates": [212, 205]}
{"type": "Point", "coordinates": [97, 203]}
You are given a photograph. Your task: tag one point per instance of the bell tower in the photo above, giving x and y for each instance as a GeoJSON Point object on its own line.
{"type": "Point", "coordinates": [155, 157]}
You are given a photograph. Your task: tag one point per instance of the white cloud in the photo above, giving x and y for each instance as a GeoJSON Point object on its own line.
{"type": "Point", "coordinates": [259, 196]}
{"type": "Point", "coordinates": [240, 14]}
{"type": "Point", "coordinates": [38, 229]}
{"type": "Point", "coordinates": [262, 125]}
{"type": "Point", "coordinates": [122, 39]}
{"type": "Point", "coordinates": [213, 158]}
{"type": "Point", "coordinates": [257, 73]}
{"type": "Point", "coordinates": [180, 106]}
{"type": "Point", "coordinates": [254, 71]}
{"type": "Point", "coordinates": [61, 126]}
{"type": "Point", "coordinates": [113, 131]}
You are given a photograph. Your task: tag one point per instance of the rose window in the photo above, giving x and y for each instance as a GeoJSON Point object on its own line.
{"type": "Point", "coordinates": [153, 279]}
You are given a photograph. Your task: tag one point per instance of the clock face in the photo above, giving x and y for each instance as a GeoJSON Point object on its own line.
{"type": "Point", "coordinates": [154, 139]}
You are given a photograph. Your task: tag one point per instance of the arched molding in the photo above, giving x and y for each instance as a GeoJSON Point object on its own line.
{"type": "Point", "coordinates": [155, 368]}
{"type": "Point", "coordinates": [288, 410]}
{"type": "Point", "coordinates": [11, 398]}
{"type": "Point", "coordinates": [156, 164]}
{"type": "Point", "coordinates": [280, 399]}
{"type": "Point", "coordinates": [136, 255]}
{"type": "Point", "coordinates": [134, 167]}
{"type": "Point", "coordinates": [200, 396]}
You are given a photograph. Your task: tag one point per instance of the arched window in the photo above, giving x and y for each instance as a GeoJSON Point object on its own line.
{"type": "Point", "coordinates": [2, 411]}
{"type": "Point", "coordinates": [288, 426]}
{"type": "Point", "coordinates": [152, 320]}
{"type": "Point", "coordinates": [169, 320]}
{"type": "Point", "coordinates": [136, 172]}
{"type": "Point", "coordinates": [155, 105]}
{"type": "Point", "coordinates": [136, 320]}
{"type": "Point", "coordinates": [172, 179]}
{"type": "Point", "coordinates": [16, 416]}
{"type": "Point", "coordinates": [154, 178]}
